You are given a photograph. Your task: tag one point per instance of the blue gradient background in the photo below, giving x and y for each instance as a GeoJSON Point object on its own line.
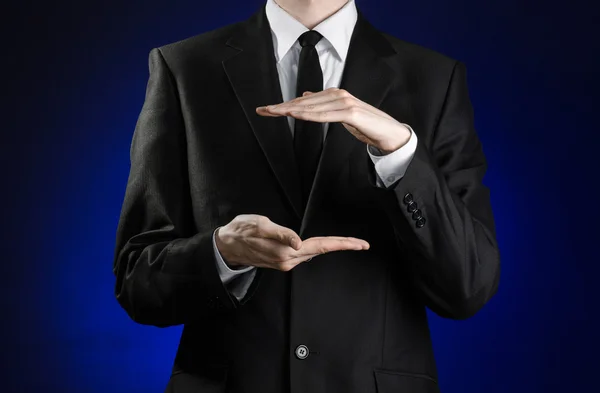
{"type": "Point", "coordinates": [74, 84]}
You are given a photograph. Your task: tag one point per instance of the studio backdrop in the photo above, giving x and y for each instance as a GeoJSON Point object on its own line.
{"type": "Point", "coordinates": [74, 84]}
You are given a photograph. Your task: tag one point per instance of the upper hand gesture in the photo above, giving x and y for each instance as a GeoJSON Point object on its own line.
{"type": "Point", "coordinates": [367, 123]}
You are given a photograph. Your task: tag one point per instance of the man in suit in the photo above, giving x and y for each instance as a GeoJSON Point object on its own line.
{"type": "Point", "coordinates": [302, 187]}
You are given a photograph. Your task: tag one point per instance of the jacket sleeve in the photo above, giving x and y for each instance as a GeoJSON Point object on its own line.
{"type": "Point", "coordinates": [441, 212]}
{"type": "Point", "coordinates": [165, 272]}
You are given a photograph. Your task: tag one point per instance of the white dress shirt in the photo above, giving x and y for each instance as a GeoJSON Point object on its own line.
{"type": "Point", "coordinates": [332, 50]}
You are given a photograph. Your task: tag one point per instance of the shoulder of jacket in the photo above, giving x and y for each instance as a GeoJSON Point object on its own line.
{"type": "Point", "coordinates": [202, 44]}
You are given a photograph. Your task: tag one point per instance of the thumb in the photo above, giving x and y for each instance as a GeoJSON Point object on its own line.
{"type": "Point", "coordinates": [295, 242]}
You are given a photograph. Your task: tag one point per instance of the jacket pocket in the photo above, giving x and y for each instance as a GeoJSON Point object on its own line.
{"type": "Point", "coordinates": [392, 381]}
{"type": "Point", "coordinates": [207, 379]}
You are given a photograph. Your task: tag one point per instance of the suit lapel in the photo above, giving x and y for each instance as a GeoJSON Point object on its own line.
{"type": "Point", "coordinates": [368, 77]}
{"type": "Point", "coordinates": [253, 75]}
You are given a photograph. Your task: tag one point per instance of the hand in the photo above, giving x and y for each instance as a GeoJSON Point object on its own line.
{"type": "Point", "coordinates": [254, 240]}
{"type": "Point", "coordinates": [367, 123]}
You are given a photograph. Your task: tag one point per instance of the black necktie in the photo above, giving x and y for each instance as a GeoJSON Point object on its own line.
{"type": "Point", "coordinates": [308, 135]}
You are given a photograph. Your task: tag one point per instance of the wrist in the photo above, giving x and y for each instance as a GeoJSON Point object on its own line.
{"type": "Point", "coordinates": [395, 143]}
{"type": "Point", "coordinates": [222, 247]}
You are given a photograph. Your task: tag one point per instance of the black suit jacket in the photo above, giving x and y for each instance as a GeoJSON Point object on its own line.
{"type": "Point", "coordinates": [201, 155]}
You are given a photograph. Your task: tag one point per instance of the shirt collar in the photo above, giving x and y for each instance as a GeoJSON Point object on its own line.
{"type": "Point", "coordinates": [337, 29]}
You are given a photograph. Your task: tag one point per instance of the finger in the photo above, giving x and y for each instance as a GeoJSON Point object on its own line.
{"type": "Point", "coordinates": [284, 109]}
{"type": "Point", "coordinates": [329, 94]}
{"type": "Point", "coordinates": [315, 97]}
{"type": "Point", "coordinates": [356, 240]}
{"type": "Point", "coordinates": [332, 105]}
{"type": "Point", "coordinates": [262, 111]}
{"type": "Point", "coordinates": [271, 111]}
{"type": "Point", "coordinates": [351, 115]}
{"type": "Point", "coordinates": [267, 229]}
{"type": "Point", "coordinates": [332, 93]}
{"type": "Point", "coordinates": [322, 245]}
{"type": "Point", "coordinates": [342, 94]}
{"type": "Point", "coordinates": [364, 243]}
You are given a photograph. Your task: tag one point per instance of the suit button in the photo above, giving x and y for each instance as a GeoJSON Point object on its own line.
{"type": "Point", "coordinates": [417, 214]}
{"type": "Point", "coordinates": [421, 222]}
{"type": "Point", "coordinates": [412, 206]}
{"type": "Point", "coordinates": [408, 198]}
{"type": "Point", "coordinates": [301, 352]}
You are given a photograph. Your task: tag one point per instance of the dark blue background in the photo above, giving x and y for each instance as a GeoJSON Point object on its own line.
{"type": "Point", "coordinates": [73, 87]}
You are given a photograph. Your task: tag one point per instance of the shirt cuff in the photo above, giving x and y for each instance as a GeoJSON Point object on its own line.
{"type": "Point", "coordinates": [225, 272]}
{"type": "Point", "coordinates": [392, 167]}
{"type": "Point", "coordinates": [242, 284]}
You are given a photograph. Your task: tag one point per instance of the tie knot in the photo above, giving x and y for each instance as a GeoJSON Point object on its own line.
{"type": "Point", "coordinates": [310, 37]}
